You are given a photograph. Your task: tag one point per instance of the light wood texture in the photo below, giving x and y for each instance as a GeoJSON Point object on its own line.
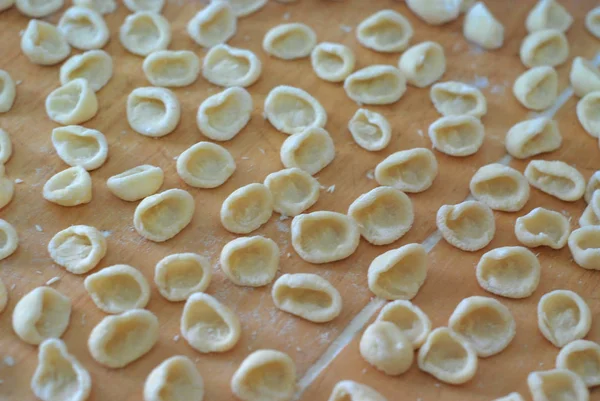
{"type": "Point", "coordinates": [256, 151]}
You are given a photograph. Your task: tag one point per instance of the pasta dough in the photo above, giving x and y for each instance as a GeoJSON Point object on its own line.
{"type": "Point", "coordinates": [556, 384]}
{"type": "Point", "coordinates": [546, 47]}
{"type": "Point", "coordinates": [80, 146]}
{"type": "Point", "coordinates": [118, 288]}
{"type": "Point", "coordinates": [3, 296]}
{"type": "Point", "coordinates": [332, 62]}
{"type": "Point", "coordinates": [435, 12]}
{"type": "Point", "coordinates": [171, 68]}
{"type": "Point", "coordinates": [584, 244]}
{"type": "Point", "coordinates": [84, 28]}
{"type": "Point", "coordinates": [153, 112]}
{"type": "Point", "coordinates": [6, 4]}
{"type": "Point", "coordinates": [592, 22]}
{"type": "Point", "coordinates": [308, 296]}
{"type": "Point", "coordinates": [456, 98]}
{"type": "Point", "coordinates": [370, 130]}
{"type": "Point", "coordinates": [592, 185]}
{"type": "Point", "coordinates": [5, 147]}
{"type": "Point", "coordinates": [242, 8]}
{"type": "Point", "coordinates": [510, 271]}
{"type": "Point", "coordinates": [208, 325]}
{"type": "Point", "coordinates": [589, 217]}
{"type": "Point", "coordinates": [38, 9]}
{"type": "Point", "coordinates": [482, 28]}
{"type": "Point", "coordinates": [96, 66]}
{"type": "Point", "coordinates": [348, 390]}
{"type": "Point", "coordinates": [537, 88]}
{"type": "Point", "coordinates": [385, 31]}
{"type": "Point", "coordinates": [118, 340]}
{"type": "Point", "coordinates": [310, 150]}
{"type": "Point", "coordinates": [229, 66]}
{"type": "Point", "coordinates": [290, 41]}
{"type": "Point", "coordinates": [469, 226]}
{"type": "Point", "coordinates": [457, 135]}
{"type": "Point", "coordinates": [563, 316]}
{"type": "Point", "coordinates": [376, 84]}
{"type": "Point", "coordinates": [542, 227]}
{"type": "Point", "coordinates": [134, 6]}
{"type": "Point", "coordinates": [70, 187]}
{"type": "Point", "coordinates": [250, 261]}
{"type": "Point", "coordinates": [398, 273]}
{"type": "Point", "coordinates": [145, 32]}
{"type": "Point", "coordinates": [292, 110]}
{"type": "Point", "coordinates": [584, 77]}
{"type": "Point", "coordinates": [384, 346]}
{"type": "Point", "coordinates": [588, 113]}
{"type": "Point", "coordinates": [323, 236]}
{"type": "Point", "coordinates": [41, 314]}
{"type": "Point", "coordinates": [77, 248]}
{"type": "Point", "coordinates": [101, 6]}
{"type": "Point", "coordinates": [162, 216]}
{"type": "Point", "coordinates": [247, 208]}
{"type": "Point", "coordinates": [581, 357]}
{"type": "Point", "coordinates": [73, 103]}
{"type": "Point", "coordinates": [7, 187]}
{"type": "Point", "coordinates": [222, 116]}
{"type": "Point", "coordinates": [548, 14]}
{"type": "Point", "coordinates": [556, 178]}
{"type": "Point", "coordinates": [58, 375]}
{"type": "Point", "coordinates": [533, 137]}
{"type": "Point", "coordinates": [500, 187]}
{"type": "Point", "coordinates": [180, 275]}
{"type": "Point", "coordinates": [423, 64]}
{"type": "Point", "coordinates": [265, 374]}
{"type": "Point", "coordinates": [9, 240]}
{"type": "Point", "coordinates": [174, 379]}
{"type": "Point", "coordinates": [205, 165]}
{"type": "Point", "coordinates": [43, 44]}
{"type": "Point", "coordinates": [8, 91]}
{"type": "Point", "coordinates": [214, 24]}
{"type": "Point", "coordinates": [293, 191]}
{"type": "Point", "coordinates": [409, 318]}
{"type": "Point", "coordinates": [136, 183]}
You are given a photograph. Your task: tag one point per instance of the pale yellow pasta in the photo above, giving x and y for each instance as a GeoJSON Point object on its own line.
{"type": "Point", "coordinates": [38, 9]}
{"type": "Point", "coordinates": [7, 188]}
{"type": "Point", "coordinates": [411, 170]}
{"type": "Point", "coordinates": [290, 41]}
{"type": "Point", "coordinates": [385, 31]}
{"type": "Point", "coordinates": [546, 47]}
{"type": "Point", "coordinates": [171, 68]}
{"type": "Point", "coordinates": [581, 357]}
{"type": "Point", "coordinates": [592, 22]}
{"type": "Point", "coordinates": [42, 43]}
{"type": "Point", "coordinates": [556, 178]}
{"type": "Point", "coordinates": [511, 397]}
{"type": "Point", "coordinates": [144, 32]}
{"type": "Point", "coordinates": [205, 165]}
{"type": "Point", "coordinates": [458, 136]}
{"type": "Point", "coordinates": [542, 227]}
{"type": "Point", "coordinates": [96, 66]}
{"type": "Point", "coordinates": [265, 374]}
{"type": "Point", "coordinates": [292, 110]}
{"type": "Point", "coordinates": [8, 91]}
{"type": "Point", "coordinates": [180, 275]}
{"type": "Point", "coordinates": [310, 150]}
{"type": "Point", "coordinates": [533, 137]}
{"type": "Point", "coordinates": [118, 288]}
{"type": "Point", "coordinates": [469, 226]}
{"type": "Point", "coordinates": [398, 274]}
{"type": "Point", "coordinates": [409, 318]}
{"type": "Point", "coordinates": [588, 113]}
{"type": "Point", "coordinates": [376, 84]}
{"type": "Point", "coordinates": [537, 88]}
{"type": "Point", "coordinates": [423, 64]}
{"type": "Point", "coordinates": [9, 240]}
{"type": "Point", "coordinates": [5, 147]}
{"type": "Point", "coordinates": [584, 244]}
{"type": "Point", "coordinates": [563, 316]}
{"type": "Point", "coordinates": [174, 379]}
{"type": "Point", "coordinates": [247, 208]}
{"type": "Point", "coordinates": [454, 98]}
{"type": "Point", "coordinates": [80, 146]}
{"type": "Point", "coordinates": [584, 77]}
{"type": "Point", "coordinates": [6, 4]}
{"type": "Point", "coordinates": [70, 187]}
{"type": "Point", "coordinates": [348, 390]}
{"type": "Point", "coordinates": [242, 8]}
{"type": "Point", "coordinates": [73, 103]}
{"type": "Point", "coordinates": [3, 296]}
{"type": "Point", "coordinates": [589, 217]}
{"type": "Point", "coordinates": [101, 6]}
{"type": "Point", "coordinates": [84, 28]}
{"type": "Point", "coordinates": [332, 62]}
{"type": "Point", "coordinates": [500, 187]}
{"type": "Point", "coordinates": [384, 346]}
{"type": "Point", "coordinates": [134, 6]}
{"type": "Point", "coordinates": [592, 185]}
{"type": "Point", "coordinates": [214, 24]}
{"type": "Point", "coordinates": [162, 216]}
{"type": "Point", "coordinates": [548, 14]}
{"type": "Point", "coordinates": [435, 12]}
{"type": "Point", "coordinates": [223, 115]}
{"type": "Point", "coordinates": [250, 261]}
{"type": "Point", "coordinates": [152, 111]}
{"type": "Point", "coordinates": [482, 28]}
{"type": "Point", "coordinates": [370, 130]}
{"type": "Point", "coordinates": [136, 183]}
{"type": "Point", "coordinates": [229, 66]}
{"type": "Point", "coordinates": [293, 191]}
{"type": "Point", "coordinates": [77, 248]}
{"type": "Point", "coordinates": [557, 384]}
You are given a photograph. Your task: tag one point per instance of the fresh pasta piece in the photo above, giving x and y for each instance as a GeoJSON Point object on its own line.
{"type": "Point", "coordinates": [469, 226]}
{"type": "Point", "coordinates": [398, 273]}
{"type": "Point", "coordinates": [293, 191]}
{"type": "Point", "coordinates": [548, 14]}
{"type": "Point", "coordinates": [101, 6]}
{"type": "Point", "coordinates": [584, 77]}
{"type": "Point", "coordinates": [59, 375]}
{"type": "Point", "coordinates": [174, 379]}
{"type": "Point", "coordinates": [162, 216]}
{"type": "Point", "coordinates": [323, 236]}
{"type": "Point", "coordinates": [370, 130]}
{"type": "Point", "coordinates": [537, 88]}
{"type": "Point", "coordinates": [80, 146]}
{"type": "Point", "coordinates": [136, 183]}
{"type": "Point", "coordinates": [533, 137]}
{"type": "Point", "coordinates": [589, 217]}
{"type": "Point", "coordinates": [546, 47]}
{"type": "Point", "coordinates": [134, 6]}
{"type": "Point", "coordinates": [411, 170]}
{"type": "Point", "coordinates": [214, 24]}
{"type": "Point", "coordinates": [457, 135]}
{"type": "Point", "coordinates": [144, 32]}
{"type": "Point", "coordinates": [584, 244]}
{"type": "Point", "coordinates": [377, 84]}
{"type": "Point", "coordinates": [332, 62]}
{"type": "Point", "coordinates": [500, 187]}
{"type": "Point", "coordinates": [310, 150]}
{"type": "Point", "coordinates": [482, 28]}
{"type": "Point", "coordinates": [423, 64]}
{"type": "Point", "coordinates": [247, 208]}
{"type": "Point", "coordinates": [409, 318]}
{"type": "Point", "coordinates": [348, 390]}
{"type": "Point", "coordinates": [7, 188]}
{"type": "Point", "coordinates": [592, 22]}
{"type": "Point", "coordinates": [242, 8]}
{"type": "Point", "coordinates": [511, 397]}
{"type": "Point", "coordinates": [5, 147]}
{"type": "Point", "coordinates": [435, 12]}
{"type": "Point", "coordinates": [384, 346]}
{"type": "Point", "coordinates": [180, 275]}
{"type": "Point", "coordinates": [290, 41]}
{"type": "Point", "coordinates": [229, 66]}
{"type": "Point", "coordinates": [43, 44]}
{"type": "Point", "coordinates": [118, 340]}
{"type": "Point", "coordinates": [557, 384]}
{"type": "Point", "coordinates": [448, 357]}
{"type": "Point", "coordinates": [205, 165]}
{"type": "Point", "coordinates": [556, 178]}
{"type": "Point", "coordinates": [594, 203]}
{"type": "Point", "coordinates": [250, 261]}
{"type": "Point", "coordinates": [510, 271]}
{"type": "Point", "coordinates": [171, 68]}
{"type": "Point", "coordinates": [223, 115]}
{"type": "Point", "coordinates": [485, 323]}
{"type": "Point", "coordinates": [153, 112]}
{"type": "Point", "coordinates": [386, 31]}
{"type": "Point", "coordinates": [588, 113]}
{"type": "Point", "coordinates": [383, 215]}
{"type": "Point", "coordinates": [96, 66]}
{"type": "Point", "coordinates": [208, 325]}
{"type": "Point", "coordinates": [3, 296]}
{"type": "Point", "coordinates": [118, 288]}
{"type": "Point", "coordinates": [543, 227]}
{"type": "Point", "coordinates": [581, 357]}
{"type": "Point", "coordinates": [70, 187]}
{"type": "Point", "coordinates": [265, 374]}
{"type": "Point", "coordinates": [38, 9]}
{"type": "Point", "coordinates": [592, 185]}
{"type": "Point", "coordinates": [84, 28]}
{"type": "Point", "coordinates": [454, 98]}
{"type": "Point", "coordinates": [73, 103]}
{"type": "Point", "coordinates": [308, 296]}
{"type": "Point", "coordinates": [77, 248]}
{"type": "Point", "coordinates": [41, 314]}
{"type": "Point", "coordinates": [6, 4]}
{"type": "Point", "coordinates": [8, 91]}
{"type": "Point", "coordinates": [563, 316]}
{"type": "Point", "coordinates": [292, 110]}
{"type": "Point", "coordinates": [9, 240]}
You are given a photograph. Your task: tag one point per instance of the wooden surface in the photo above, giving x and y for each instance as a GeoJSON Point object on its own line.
{"type": "Point", "coordinates": [256, 151]}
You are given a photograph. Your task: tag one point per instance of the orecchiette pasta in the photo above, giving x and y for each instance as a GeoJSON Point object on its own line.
{"type": "Point", "coordinates": [7, 188]}
{"type": "Point", "coordinates": [589, 217]}
{"type": "Point", "coordinates": [175, 379]}
{"type": "Point", "coordinates": [548, 14]}
{"type": "Point", "coordinates": [537, 88]}
{"type": "Point", "coordinates": [162, 216]}
{"type": "Point", "coordinates": [8, 91]}
{"type": "Point", "coordinates": [457, 135]}
{"type": "Point", "coordinates": [9, 240]}
{"type": "Point", "coordinates": [411, 170]}
{"type": "Point", "coordinates": [153, 112]}
{"type": "Point", "coordinates": [77, 248]}
{"type": "Point", "coordinates": [592, 22]}
{"type": "Point", "coordinates": [6, 4]}
{"type": "Point", "coordinates": [584, 77]}
{"type": "Point", "coordinates": [584, 244]}
{"type": "Point", "coordinates": [370, 130]}
{"type": "Point", "coordinates": [542, 227]}
{"type": "Point", "coordinates": [96, 66]}
{"type": "Point", "coordinates": [588, 112]}
{"type": "Point", "coordinates": [310, 150]}
{"type": "Point", "coordinates": [223, 115]}
{"type": "Point", "coordinates": [180, 275]}
{"type": "Point", "coordinates": [293, 191]}
{"type": "Point", "coordinates": [214, 24]}
{"type": "Point", "coordinates": [242, 8]}
{"type": "Point", "coordinates": [229, 66]}
{"type": "Point", "coordinates": [145, 32]}
{"type": "Point", "coordinates": [533, 137]}
{"type": "Point", "coordinates": [247, 208]}
{"type": "Point", "coordinates": [250, 261]}
{"type": "Point", "coordinates": [385, 31]}
{"type": "Point", "coordinates": [556, 178]}
{"type": "Point", "coordinates": [511, 397]}
{"type": "Point", "coordinates": [581, 357]}
{"type": "Point", "coordinates": [73, 103]}
{"type": "Point", "coordinates": [37, 9]}
{"type": "Point", "coordinates": [42, 43]}
{"type": "Point", "coordinates": [456, 98]}
{"type": "Point", "coordinates": [435, 12]}
{"type": "Point", "coordinates": [80, 146]}
{"type": "Point", "coordinates": [292, 110]}
{"type": "Point", "coordinates": [144, 5]}
{"type": "Point", "coordinates": [136, 183]}
{"type": "Point", "coordinates": [482, 28]}
{"type": "Point", "coordinates": [563, 316]}
{"type": "Point", "coordinates": [546, 47]}
{"type": "Point", "coordinates": [377, 84]}
{"type": "Point", "coordinates": [409, 318]}
{"type": "Point", "coordinates": [556, 383]}
{"type": "Point", "coordinates": [469, 226]}
{"type": "Point", "coordinates": [423, 64]}
{"type": "Point", "coordinates": [171, 68]}
{"type": "Point", "coordinates": [290, 41]}
{"type": "Point", "coordinates": [205, 165]}
{"type": "Point", "coordinates": [348, 390]}
{"type": "Point", "coordinates": [118, 288]}
{"type": "Point", "coordinates": [500, 187]}
{"type": "Point", "coordinates": [101, 6]}
{"type": "Point", "coordinates": [332, 61]}
{"type": "Point", "coordinates": [70, 187]}
{"type": "Point", "coordinates": [3, 296]}
{"type": "Point", "coordinates": [5, 147]}
{"type": "Point", "coordinates": [384, 346]}
{"type": "Point", "coordinates": [84, 28]}
{"type": "Point", "coordinates": [265, 374]}
{"type": "Point", "coordinates": [592, 185]}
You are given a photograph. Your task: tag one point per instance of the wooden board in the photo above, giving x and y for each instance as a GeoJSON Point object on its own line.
{"type": "Point", "coordinates": [256, 151]}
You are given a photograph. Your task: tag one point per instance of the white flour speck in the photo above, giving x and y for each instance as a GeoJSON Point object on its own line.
{"type": "Point", "coordinates": [370, 174]}
{"type": "Point", "coordinates": [437, 385]}
{"type": "Point", "coordinates": [496, 89]}
{"type": "Point", "coordinates": [245, 157]}
{"type": "Point", "coordinates": [106, 233]}
{"type": "Point", "coordinates": [9, 361]}
{"type": "Point", "coordinates": [38, 228]}
{"type": "Point", "coordinates": [18, 181]}
{"type": "Point", "coordinates": [261, 150]}
{"type": "Point", "coordinates": [420, 132]}
{"type": "Point", "coordinates": [331, 189]}
{"type": "Point", "coordinates": [282, 227]}
{"type": "Point", "coordinates": [283, 217]}
{"type": "Point", "coordinates": [289, 255]}
{"type": "Point", "coordinates": [19, 82]}
{"type": "Point", "coordinates": [287, 16]}
{"type": "Point", "coordinates": [176, 337]}
{"type": "Point", "coordinates": [12, 287]}
{"type": "Point", "coordinates": [176, 157]}
{"type": "Point", "coordinates": [346, 28]}
{"type": "Point", "coordinates": [480, 82]}
{"type": "Point", "coordinates": [52, 280]}
{"type": "Point", "coordinates": [298, 349]}
{"type": "Point", "coordinates": [38, 271]}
